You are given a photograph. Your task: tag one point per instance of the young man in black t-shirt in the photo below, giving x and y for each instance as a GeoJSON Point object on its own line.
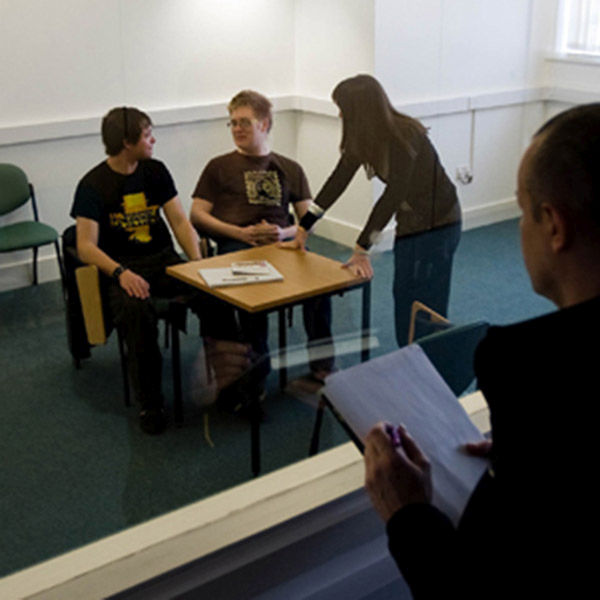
{"type": "Point", "coordinates": [120, 229]}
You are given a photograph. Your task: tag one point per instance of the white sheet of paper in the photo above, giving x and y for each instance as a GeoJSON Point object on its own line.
{"type": "Point", "coordinates": [251, 267]}
{"type": "Point", "coordinates": [404, 387]}
{"type": "Point", "coordinates": [224, 276]}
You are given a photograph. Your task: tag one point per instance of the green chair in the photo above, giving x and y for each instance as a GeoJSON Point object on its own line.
{"type": "Point", "coordinates": [15, 191]}
{"type": "Point", "coordinates": [451, 352]}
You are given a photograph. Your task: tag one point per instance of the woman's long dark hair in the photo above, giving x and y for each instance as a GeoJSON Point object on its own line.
{"type": "Point", "coordinates": [370, 123]}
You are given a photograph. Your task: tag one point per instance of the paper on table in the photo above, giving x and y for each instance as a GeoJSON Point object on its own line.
{"type": "Point", "coordinates": [404, 387]}
{"type": "Point", "coordinates": [251, 267]}
{"type": "Point", "coordinates": [224, 276]}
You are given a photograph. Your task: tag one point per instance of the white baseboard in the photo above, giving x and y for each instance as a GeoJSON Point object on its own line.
{"type": "Point", "coordinates": [19, 274]}
{"type": "Point", "coordinates": [488, 214]}
{"type": "Point", "coordinates": [346, 233]}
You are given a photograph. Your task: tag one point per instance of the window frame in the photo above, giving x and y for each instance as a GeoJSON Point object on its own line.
{"type": "Point", "coordinates": [562, 34]}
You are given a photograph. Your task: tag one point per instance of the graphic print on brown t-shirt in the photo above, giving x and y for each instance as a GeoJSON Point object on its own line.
{"type": "Point", "coordinates": [263, 187]}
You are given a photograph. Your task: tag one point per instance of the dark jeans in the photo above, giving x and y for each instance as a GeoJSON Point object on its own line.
{"type": "Point", "coordinates": [138, 321]}
{"type": "Point", "coordinates": [422, 271]}
{"type": "Point", "coordinates": [253, 328]}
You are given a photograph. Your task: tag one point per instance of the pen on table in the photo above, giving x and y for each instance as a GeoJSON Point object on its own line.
{"type": "Point", "coordinates": [243, 278]}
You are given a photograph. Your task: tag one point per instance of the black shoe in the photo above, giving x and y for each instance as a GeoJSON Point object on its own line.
{"type": "Point", "coordinates": [153, 421]}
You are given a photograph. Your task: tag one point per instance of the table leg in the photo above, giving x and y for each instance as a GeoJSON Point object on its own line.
{"type": "Point", "coordinates": [282, 349]}
{"type": "Point", "coordinates": [176, 366]}
{"type": "Point", "coordinates": [366, 321]}
{"type": "Point", "coordinates": [255, 436]}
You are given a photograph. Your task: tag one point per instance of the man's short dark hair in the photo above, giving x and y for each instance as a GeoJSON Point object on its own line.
{"type": "Point", "coordinates": [565, 168]}
{"type": "Point", "coordinates": [257, 102]}
{"type": "Point", "coordinates": [123, 124]}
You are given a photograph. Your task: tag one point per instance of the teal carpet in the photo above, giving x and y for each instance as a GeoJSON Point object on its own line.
{"type": "Point", "coordinates": [76, 468]}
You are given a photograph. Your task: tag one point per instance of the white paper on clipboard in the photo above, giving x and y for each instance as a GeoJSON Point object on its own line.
{"type": "Point", "coordinates": [404, 387]}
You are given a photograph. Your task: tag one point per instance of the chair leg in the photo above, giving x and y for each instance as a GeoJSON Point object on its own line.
{"type": "Point", "coordinates": [35, 274]}
{"type": "Point", "coordinates": [123, 355]}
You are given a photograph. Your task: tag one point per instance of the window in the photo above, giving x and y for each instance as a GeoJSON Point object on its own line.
{"type": "Point", "coordinates": [579, 27]}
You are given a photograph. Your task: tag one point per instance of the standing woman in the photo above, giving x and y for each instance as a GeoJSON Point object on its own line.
{"type": "Point", "coordinates": [396, 148]}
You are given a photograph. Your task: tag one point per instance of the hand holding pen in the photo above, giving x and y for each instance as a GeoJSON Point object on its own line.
{"type": "Point", "coordinates": [397, 473]}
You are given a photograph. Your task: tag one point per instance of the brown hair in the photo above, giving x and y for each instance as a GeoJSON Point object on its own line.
{"type": "Point", "coordinates": [370, 121]}
{"type": "Point", "coordinates": [123, 124]}
{"type": "Point", "coordinates": [257, 102]}
{"type": "Point", "coordinates": [564, 168]}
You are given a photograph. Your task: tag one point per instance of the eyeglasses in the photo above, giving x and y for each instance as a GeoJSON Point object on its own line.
{"type": "Point", "coordinates": [244, 123]}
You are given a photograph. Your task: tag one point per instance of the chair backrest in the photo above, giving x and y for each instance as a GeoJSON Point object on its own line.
{"type": "Point", "coordinates": [206, 246]}
{"type": "Point", "coordinates": [88, 284]}
{"type": "Point", "coordinates": [86, 322]}
{"type": "Point", "coordinates": [424, 321]}
{"type": "Point", "coordinates": [14, 188]}
{"type": "Point", "coordinates": [451, 352]}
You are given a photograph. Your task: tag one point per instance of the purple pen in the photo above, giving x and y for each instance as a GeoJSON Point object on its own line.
{"type": "Point", "coordinates": [394, 435]}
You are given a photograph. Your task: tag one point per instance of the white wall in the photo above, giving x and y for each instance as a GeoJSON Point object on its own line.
{"type": "Point", "coordinates": [475, 71]}
{"type": "Point", "coordinates": [468, 54]}
{"type": "Point", "coordinates": [182, 60]}
{"type": "Point", "coordinates": [66, 62]}
{"type": "Point", "coordinates": [334, 40]}
{"type": "Point", "coordinates": [445, 48]}
{"type": "Point", "coordinates": [67, 58]}
{"type": "Point", "coordinates": [476, 103]}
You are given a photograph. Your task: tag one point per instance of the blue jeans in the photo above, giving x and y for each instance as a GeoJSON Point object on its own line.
{"type": "Point", "coordinates": [422, 271]}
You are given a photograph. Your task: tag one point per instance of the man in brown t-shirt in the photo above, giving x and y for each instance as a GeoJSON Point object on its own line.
{"type": "Point", "coordinates": [241, 200]}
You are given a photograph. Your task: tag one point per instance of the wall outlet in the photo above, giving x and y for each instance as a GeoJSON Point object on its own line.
{"type": "Point", "coordinates": [464, 174]}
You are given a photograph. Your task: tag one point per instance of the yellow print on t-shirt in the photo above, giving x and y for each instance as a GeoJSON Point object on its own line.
{"type": "Point", "coordinates": [136, 217]}
{"type": "Point", "coordinates": [263, 187]}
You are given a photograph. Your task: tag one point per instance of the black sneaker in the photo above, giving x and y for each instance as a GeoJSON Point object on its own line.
{"type": "Point", "coordinates": [153, 421]}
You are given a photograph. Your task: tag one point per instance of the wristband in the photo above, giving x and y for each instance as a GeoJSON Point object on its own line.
{"type": "Point", "coordinates": [307, 221]}
{"type": "Point", "coordinates": [117, 272]}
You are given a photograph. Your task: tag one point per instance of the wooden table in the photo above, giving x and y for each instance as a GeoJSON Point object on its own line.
{"type": "Point", "coordinates": [305, 275]}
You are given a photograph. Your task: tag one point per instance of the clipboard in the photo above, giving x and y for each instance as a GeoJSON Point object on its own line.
{"type": "Point", "coordinates": [404, 387]}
